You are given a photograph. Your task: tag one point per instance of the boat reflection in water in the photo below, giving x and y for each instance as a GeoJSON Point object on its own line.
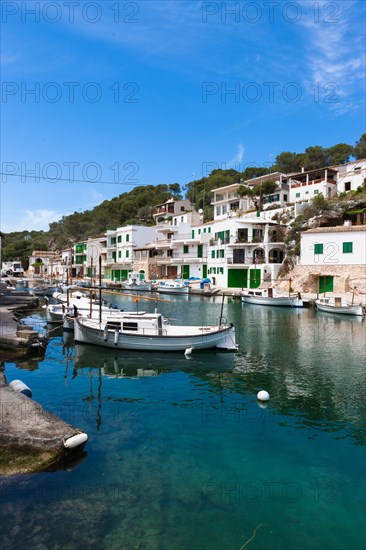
{"type": "Point", "coordinates": [129, 364]}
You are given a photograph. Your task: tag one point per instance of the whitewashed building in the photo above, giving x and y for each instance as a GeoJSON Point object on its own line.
{"type": "Point", "coordinates": [304, 186]}
{"type": "Point", "coordinates": [350, 176]}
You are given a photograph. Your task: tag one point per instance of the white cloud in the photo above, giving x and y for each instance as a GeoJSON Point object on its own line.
{"type": "Point", "coordinates": [238, 157]}
{"type": "Point", "coordinates": [30, 220]}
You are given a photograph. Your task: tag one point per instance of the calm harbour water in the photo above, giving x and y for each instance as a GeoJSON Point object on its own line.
{"type": "Point", "coordinates": [181, 455]}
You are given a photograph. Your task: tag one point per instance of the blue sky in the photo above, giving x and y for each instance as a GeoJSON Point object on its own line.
{"type": "Point", "coordinates": [150, 92]}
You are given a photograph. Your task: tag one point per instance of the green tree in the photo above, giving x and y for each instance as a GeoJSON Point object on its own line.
{"type": "Point", "coordinates": [315, 157]}
{"type": "Point", "coordinates": [339, 154]}
{"type": "Point", "coordinates": [287, 162]}
{"type": "Point", "coordinates": [360, 148]}
{"type": "Point", "coordinates": [258, 192]}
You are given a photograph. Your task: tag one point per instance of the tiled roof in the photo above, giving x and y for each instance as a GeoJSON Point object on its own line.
{"type": "Point", "coordinates": [337, 229]}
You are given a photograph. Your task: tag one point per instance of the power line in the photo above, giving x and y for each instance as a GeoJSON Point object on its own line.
{"type": "Point", "coordinates": [55, 180]}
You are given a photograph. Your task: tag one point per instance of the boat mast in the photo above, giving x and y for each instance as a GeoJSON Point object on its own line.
{"type": "Point", "coordinates": [100, 288]}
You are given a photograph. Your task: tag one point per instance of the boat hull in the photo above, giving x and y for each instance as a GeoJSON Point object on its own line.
{"type": "Point", "coordinates": [279, 301]}
{"type": "Point", "coordinates": [342, 310]}
{"type": "Point", "coordinates": [222, 338]}
{"type": "Point", "coordinates": [173, 290]}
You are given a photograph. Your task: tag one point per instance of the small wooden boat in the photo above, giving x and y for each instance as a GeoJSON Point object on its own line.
{"type": "Point", "coordinates": [147, 331]}
{"type": "Point", "coordinates": [337, 305]}
{"type": "Point", "coordinates": [134, 283]}
{"type": "Point", "coordinates": [268, 297]}
{"type": "Point", "coordinates": [173, 287]}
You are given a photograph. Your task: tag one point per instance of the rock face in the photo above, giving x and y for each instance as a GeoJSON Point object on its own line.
{"type": "Point", "coordinates": [25, 427]}
{"type": "Point", "coordinates": [305, 278]}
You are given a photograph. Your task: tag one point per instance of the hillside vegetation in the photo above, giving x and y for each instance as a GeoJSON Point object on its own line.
{"type": "Point", "coordinates": [134, 207]}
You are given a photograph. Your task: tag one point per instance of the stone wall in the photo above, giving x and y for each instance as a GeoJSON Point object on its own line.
{"type": "Point", "coordinates": [305, 278]}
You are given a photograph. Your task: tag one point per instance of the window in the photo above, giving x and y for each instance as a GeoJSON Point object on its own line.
{"type": "Point", "coordinates": [318, 249]}
{"type": "Point", "coordinates": [218, 210]}
{"type": "Point", "coordinates": [316, 192]}
{"type": "Point", "coordinates": [185, 249]}
{"type": "Point", "coordinates": [224, 209]}
{"type": "Point", "coordinates": [129, 326]}
{"type": "Point", "coordinates": [182, 208]}
{"type": "Point", "coordinates": [192, 233]}
{"type": "Point", "coordinates": [209, 229]}
{"type": "Point", "coordinates": [347, 248]}
{"type": "Point", "coordinates": [212, 253]}
{"type": "Point", "coordinates": [119, 238]}
{"type": "Point", "coordinates": [298, 195]}
{"type": "Point", "coordinates": [285, 198]}
{"type": "Point", "coordinates": [127, 238]}
{"type": "Point", "coordinates": [347, 186]}
{"type": "Point", "coordinates": [113, 240]}
{"type": "Point", "coordinates": [222, 253]}
{"type": "Point", "coordinates": [204, 229]}
{"type": "Point", "coordinates": [120, 254]}
{"type": "Point", "coordinates": [127, 253]}
{"type": "Point", "coordinates": [199, 232]}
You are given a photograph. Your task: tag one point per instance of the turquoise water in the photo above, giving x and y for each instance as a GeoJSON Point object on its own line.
{"type": "Point", "coordinates": [181, 455]}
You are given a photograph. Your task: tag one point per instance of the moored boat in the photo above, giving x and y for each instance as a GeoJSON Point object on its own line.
{"type": "Point", "coordinates": [268, 297]}
{"type": "Point", "coordinates": [147, 331]}
{"type": "Point", "coordinates": [337, 305]}
{"type": "Point", "coordinates": [172, 287]}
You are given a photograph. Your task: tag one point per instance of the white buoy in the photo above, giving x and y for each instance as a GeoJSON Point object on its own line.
{"type": "Point", "coordinates": [263, 395]}
{"type": "Point", "coordinates": [20, 387]}
{"type": "Point", "coordinates": [76, 441]}
{"type": "Point", "coordinates": [188, 351]}
{"type": "Point", "coordinates": [116, 336]}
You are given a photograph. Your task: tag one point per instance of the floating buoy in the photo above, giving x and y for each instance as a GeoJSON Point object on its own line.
{"type": "Point", "coordinates": [263, 395]}
{"type": "Point", "coordinates": [76, 441]}
{"type": "Point", "coordinates": [188, 351]}
{"type": "Point", "coordinates": [20, 387]}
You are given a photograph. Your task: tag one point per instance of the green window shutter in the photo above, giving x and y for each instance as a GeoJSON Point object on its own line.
{"type": "Point", "coordinates": [127, 238]}
{"type": "Point", "coordinates": [227, 235]}
{"type": "Point", "coordinates": [297, 195]}
{"type": "Point", "coordinates": [217, 253]}
{"type": "Point", "coordinates": [204, 229]}
{"type": "Point", "coordinates": [127, 253]}
{"type": "Point", "coordinates": [209, 229]}
{"type": "Point", "coordinates": [199, 231]}
{"type": "Point", "coordinates": [120, 254]}
{"type": "Point", "coordinates": [192, 233]}
{"type": "Point", "coordinates": [185, 249]}
{"type": "Point", "coordinates": [119, 238]}
{"type": "Point", "coordinates": [212, 253]}
{"type": "Point", "coordinates": [199, 251]}
{"type": "Point", "coordinates": [347, 248]}
{"type": "Point", "coordinates": [318, 249]}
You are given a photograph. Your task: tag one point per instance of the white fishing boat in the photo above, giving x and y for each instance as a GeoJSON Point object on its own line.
{"type": "Point", "coordinates": [134, 283]}
{"type": "Point", "coordinates": [172, 287]}
{"type": "Point", "coordinates": [77, 304]}
{"type": "Point", "coordinates": [339, 305]}
{"type": "Point", "coordinates": [147, 331]}
{"type": "Point", "coordinates": [269, 297]}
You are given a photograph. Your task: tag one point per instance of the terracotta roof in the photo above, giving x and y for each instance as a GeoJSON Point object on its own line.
{"type": "Point", "coordinates": [337, 229]}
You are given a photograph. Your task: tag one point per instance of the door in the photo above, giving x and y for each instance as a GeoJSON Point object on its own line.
{"type": "Point", "coordinates": [237, 278]}
{"type": "Point", "coordinates": [325, 284]}
{"type": "Point", "coordinates": [204, 271]}
{"type": "Point", "coordinates": [185, 271]}
{"type": "Point", "coordinates": [255, 278]}
{"type": "Point", "coordinates": [199, 251]}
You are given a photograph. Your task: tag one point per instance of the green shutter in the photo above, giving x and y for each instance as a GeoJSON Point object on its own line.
{"type": "Point", "coordinates": [185, 249]}
{"type": "Point", "coordinates": [119, 238]}
{"type": "Point", "coordinates": [204, 271]}
{"type": "Point", "coordinates": [318, 249]}
{"type": "Point", "coordinates": [127, 253]}
{"type": "Point", "coordinates": [326, 284]}
{"type": "Point", "coordinates": [127, 238]}
{"type": "Point", "coordinates": [199, 251]}
{"type": "Point", "coordinates": [347, 248]}
{"type": "Point", "coordinates": [192, 233]}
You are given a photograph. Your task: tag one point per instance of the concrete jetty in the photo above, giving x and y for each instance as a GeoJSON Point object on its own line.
{"type": "Point", "coordinates": [16, 338]}
{"type": "Point", "coordinates": [31, 439]}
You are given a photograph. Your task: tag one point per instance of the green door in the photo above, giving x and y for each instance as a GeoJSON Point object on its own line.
{"type": "Point", "coordinates": [237, 278]}
{"type": "Point", "coordinates": [255, 278]}
{"type": "Point", "coordinates": [186, 272]}
{"type": "Point", "coordinates": [325, 284]}
{"type": "Point", "coordinates": [116, 274]}
{"type": "Point", "coordinates": [204, 271]}
{"type": "Point", "coordinates": [199, 251]}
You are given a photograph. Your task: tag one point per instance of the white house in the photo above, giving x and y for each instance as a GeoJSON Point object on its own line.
{"type": "Point", "coordinates": [334, 258]}
{"type": "Point", "coordinates": [350, 176]}
{"type": "Point", "coordinates": [304, 186]}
